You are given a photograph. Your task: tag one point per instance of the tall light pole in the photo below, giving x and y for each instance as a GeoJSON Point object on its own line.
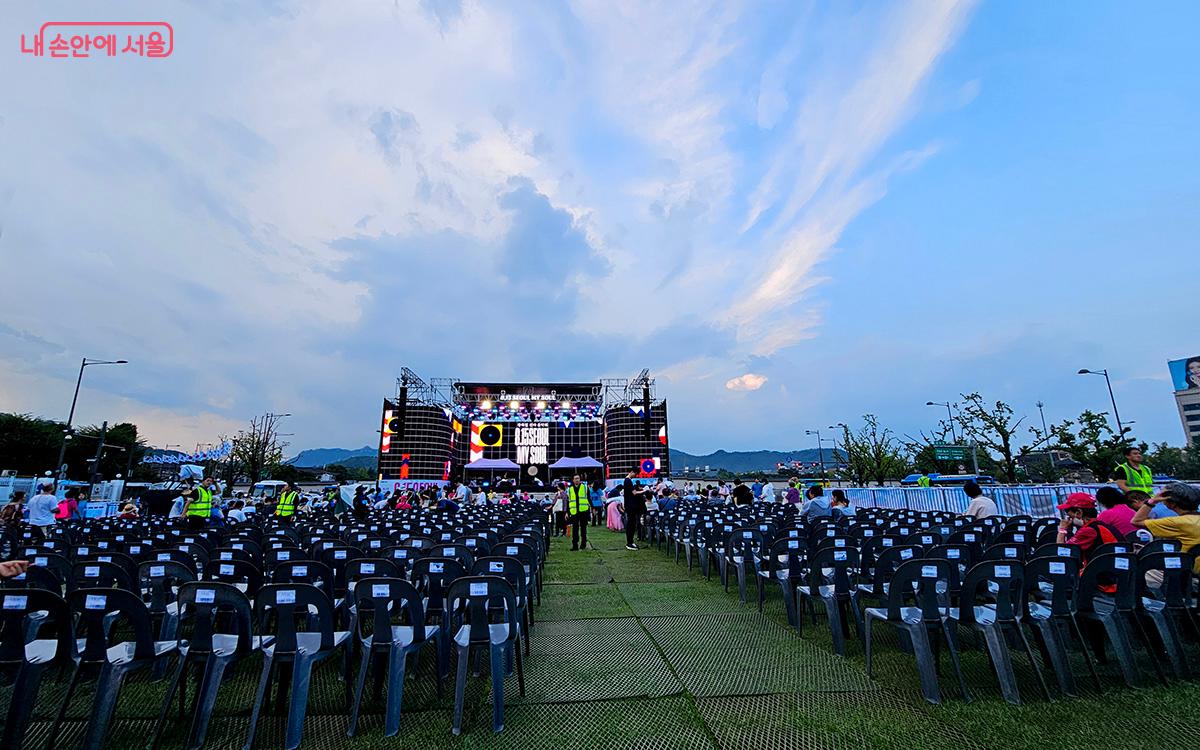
{"type": "Point", "coordinates": [62, 452]}
{"type": "Point", "coordinates": [820, 449]}
{"type": "Point", "coordinates": [949, 415]}
{"type": "Point", "coordinates": [1045, 432]}
{"type": "Point", "coordinates": [1111, 397]}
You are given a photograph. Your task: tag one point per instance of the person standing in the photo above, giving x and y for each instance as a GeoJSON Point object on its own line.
{"type": "Point", "coordinates": [924, 480]}
{"type": "Point", "coordinates": [559, 509]}
{"type": "Point", "coordinates": [635, 508]}
{"type": "Point", "coordinates": [285, 509]}
{"type": "Point", "coordinates": [741, 495]}
{"type": "Point", "coordinates": [768, 492]}
{"type": "Point", "coordinates": [42, 509]}
{"type": "Point", "coordinates": [1133, 474]}
{"type": "Point", "coordinates": [13, 513]}
{"type": "Point", "coordinates": [578, 512]}
{"type": "Point", "coordinates": [198, 503]}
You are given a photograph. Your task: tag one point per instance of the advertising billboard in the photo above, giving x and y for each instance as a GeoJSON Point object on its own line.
{"type": "Point", "coordinates": [1185, 373]}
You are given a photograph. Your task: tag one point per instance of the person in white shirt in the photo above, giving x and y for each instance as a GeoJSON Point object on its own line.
{"type": "Point", "coordinates": [768, 493]}
{"type": "Point", "coordinates": [42, 508]}
{"type": "Point", "coordinates": [981, 506]}
{"type": "Point", "coordinates": [235, 512]}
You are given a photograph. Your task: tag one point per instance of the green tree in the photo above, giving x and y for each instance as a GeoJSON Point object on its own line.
{"type": "Point", "coordinates": [1181, 463]}
{"type": "Point", "coordinates": [873, 453]}
{"type": "Point", "coordinates": [1090, 441]}
{"type": "Point", "coordinates": [994, 428]}
{"type": "Point", "coordinates": [29, 445]}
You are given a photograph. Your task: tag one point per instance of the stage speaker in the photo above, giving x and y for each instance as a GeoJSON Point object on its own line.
{"type": "Point", "coordinates": [646, 410]}
{"type": "Point", "coordinates": [399, 417]}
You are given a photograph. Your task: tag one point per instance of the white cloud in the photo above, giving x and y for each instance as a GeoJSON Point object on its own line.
{"type": "Point", "coordinates": [748, 382]}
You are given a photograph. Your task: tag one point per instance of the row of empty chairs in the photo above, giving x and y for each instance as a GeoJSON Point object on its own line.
{"type": "Point", "coordinates": [105, 598]}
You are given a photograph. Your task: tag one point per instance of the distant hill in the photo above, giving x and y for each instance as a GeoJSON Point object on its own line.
{"type": "Point", "coordinates": [744, 461]}
{"type": "Point", "coordinates": [317, 457]}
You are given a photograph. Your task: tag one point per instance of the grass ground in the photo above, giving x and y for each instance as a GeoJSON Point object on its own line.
{"type": "Point", "coordinates": [630, 650]}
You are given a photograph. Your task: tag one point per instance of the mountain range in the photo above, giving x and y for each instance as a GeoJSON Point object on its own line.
{"type": "Point", "coordinates": [735, 461]}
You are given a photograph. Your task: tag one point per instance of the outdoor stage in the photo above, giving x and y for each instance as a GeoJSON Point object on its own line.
{"type": "Point", "coordinates": [521, 434]}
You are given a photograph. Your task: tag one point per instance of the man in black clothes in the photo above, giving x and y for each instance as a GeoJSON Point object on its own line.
{"type": "Point", "coordinates": [742, 495]}
{"type": "Point", "coordinates": [635, 507]}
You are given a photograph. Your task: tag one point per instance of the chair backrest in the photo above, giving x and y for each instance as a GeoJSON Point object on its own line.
{"type": "Point", "coordinates": [403, 557]}
{"type": "Point", "coordinates": [1176, 588]}
{"type": "Point", "coordinates": [1011, 551]}
{"type": "Point", "coordinates": [304, 571]}
{"type": "Point", "coordinates": [454, 552]}
{"type": "Point", "coordinates": [745, 542]}
{"type": "Point", "coordinates": [90, 573]}
{"type": "Point", "coordinates": [1161, 545]}
{"type": "Point", "coordinates": [471, 600]}
{"type": "Point", "coordinates": [1111, 570]}
{"type": "Point", "coordinates": [370, 567]}
{"type": "Point", "coordinates": [1121, 548]}
{"type": "Point", "coordinates": [918, 580]}
{"type": "Point", "coordinates": [208, 608]}
{"type": "Point", "coordinates": [16, 605]}
{"type": "Point", "coordinates": [890, 560]}
{"type": "Point", "coordinates": [94, 609]}
{"type": "Point", "coordinates": [229, 554]}
{"type": "Point", "coordinates": [53, 563]}
{"type": "Point", "coordinates": [235, 571]}
{"type": "Point", "coordinates": [787, 554]}
{"type": "Point", "coordinates": [280, 607]}
{"type": "Point", "coordinates": [526, 554]}
{"type": "Point", "coordinates": [508, 568]}
{"type": "Point", "coordinates": [160, 581]}
{"type": "Point", "coordinates": [842, 561]}
{"type": "Point", "coordinates": [1059, 550]}
{"type": "Point", "coordinates": [433, 575]}
{"type": "Point", "coordinates": [1058, 574]}
{"type": "Point", "coordinates": [282, 554]}
{"type": "Point", "coordinates": [384, 601]}
{"type": "Point", "coordinates": [1002, 582]}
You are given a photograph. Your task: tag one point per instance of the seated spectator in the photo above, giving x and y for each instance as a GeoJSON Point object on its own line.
{"type": "Point", "coordinates": [816, 505]}
{"type": "Point", "coordinates": [235, 513]}
{"type": "Point", "coordinates": [14, 511]}
{"type": "Point", "coordinates": [981, 506]}
{"type": "Point", "coordinates": [128, 512]}
{"type": "Point", "coordinates": [1184, 526]}
{"type": "Point", "coordinates": [1116, 513]}
{"type": "Point", "coordinates": [1137, 498]}
{"type": "Point", "coordinates": [841, 504]}
{"type": "Point", "coordinates": [1081, 527]}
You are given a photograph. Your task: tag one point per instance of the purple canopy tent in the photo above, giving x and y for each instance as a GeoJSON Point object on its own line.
{"type": "Point", "coordinates": [583, 462]}
{"type": "Point", "coordinates": [493, 464]}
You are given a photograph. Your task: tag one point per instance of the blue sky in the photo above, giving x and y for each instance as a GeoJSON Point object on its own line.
{"type": "Point", "coordinates": [793, 213]}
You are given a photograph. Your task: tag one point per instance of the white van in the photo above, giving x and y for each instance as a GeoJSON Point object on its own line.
{"type": "Point", "coordinates": [269, 489]}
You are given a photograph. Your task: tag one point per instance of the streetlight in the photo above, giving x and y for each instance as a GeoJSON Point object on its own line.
{"type": "Point", "coordinates": [62, 452]}
{"type": "Point", "coordinates": [820, 449]}
{"type": "Point", "coordinates": [949, 415]}
{"type": "Point", "coordinates": [1112, 398]}
{"type": "Point", "coordinates": [1045, 433]}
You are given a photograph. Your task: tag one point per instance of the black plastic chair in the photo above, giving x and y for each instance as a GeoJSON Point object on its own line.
{"type": "Point", "coordinates": [784, 566]}
{"type": "Point", "coordinates": [24, 658]}
{"type": "Point", "coordinates": [391, 625]}
{"type": "Point", "coordinates": [919, 579]}
{"type": "Point", "coordinates": [97, 611]}
{"type": "Point", "coordinates": [992, 601]}
{"type": "Point", "coordinates": [277, 610]}
{"type": "Point", "coordinates": [1051, 591]}
{"type": "Point", "coordinates": [215, 630]}
{"type": "Point", "coordinates": [471, 603]}
{"type": "Point", "coordinates": [836, 565]}
{"type": "Point", "coordinates": [1114, 611]}
{"type": "Point", "coordinates": [1168, 603]}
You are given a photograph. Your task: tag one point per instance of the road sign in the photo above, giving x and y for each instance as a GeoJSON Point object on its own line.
{"type": "Point", "coordinates": [951, 452]}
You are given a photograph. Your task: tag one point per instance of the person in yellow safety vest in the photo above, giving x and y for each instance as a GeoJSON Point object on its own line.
{"type": "Point", "coordinates": [924, 480]}
{"type": "Point", "coordinates": [578, 511]}
{"type": "Point", "coordinates": [199, 503]}
{"type": "Point", "coordinates": [1133, 474]}
{"type": "Point", "coordinates": [285, 509]}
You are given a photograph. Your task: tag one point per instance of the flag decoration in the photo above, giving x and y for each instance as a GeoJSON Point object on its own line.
{"type": "Point", "coordinates": [404, 464]}
{"type": "Point", "coordinates": [649, 467]}
{"type": "Point", "coordinates": [213, 454]}
{"type": "Point", "coordinates": [446, 472]}
{"type": "Point", "coordinates": [662, 434]}
{"type": "Point", "coordinates": [385, 445]}
{"type": "Point", "coordinates": [637, 409]}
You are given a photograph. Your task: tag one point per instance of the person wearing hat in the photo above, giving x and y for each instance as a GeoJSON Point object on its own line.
{"type": "Point", "coordinates": [1080, 526]}
{"type": "Point", "coordinates": [1184, 526]}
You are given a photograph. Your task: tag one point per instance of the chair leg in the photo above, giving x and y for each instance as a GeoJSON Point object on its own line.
{"type": "Point", "coordinates": [263, 683]}
{"type": "Point", "coordinates": [1055, 652]}
{"type": "Point", "coordinates": [497, 658]}
{"type": "Point", "coordinates": [160, 724]}
{"type": "Point", "coordinates": [520, 675]}
{"type": "Point", "coordinates": [395, 695]}
{"type": "Point", "coordinates": [301, 674]}
{"type": "Point", "coordinates": [926, 668]}
{"type": "Point", "coordinates": [834, 615]}
{"type": "Point", "coordinates": [1087, 654]}
{"type": "Point", "coordinates": [364, 665]}
{"type": "Point", "coordinates": [952, 647]}
{"type": "Point", "coordinates": [460, 688]}
{"type": "Point", "coordinates": [997, 648]}
{"type": "Point", "coordinates": [206, 700]}
{"type": "Point", "coordinates": [108, 689]}
{"type": "Point", "coordinates": [741, 574]}
{"type": "Point", "coordinates": [1037, 669]}
{"type": "Point", "coordinates": [62, 709]}
{"type": "Point", "coordinates": [24, 696]}
{"type": "Point", "coordinates": [1122, 644]}
{"type": "Point", "coordinates": [867, 628]}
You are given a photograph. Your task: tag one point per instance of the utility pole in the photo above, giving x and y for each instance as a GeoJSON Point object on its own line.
{"type": "Point", "coordinates": [99, 453]}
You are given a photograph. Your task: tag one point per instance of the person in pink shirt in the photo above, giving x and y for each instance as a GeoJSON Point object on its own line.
{"type": "Point", "coordinates": [1114, 510]}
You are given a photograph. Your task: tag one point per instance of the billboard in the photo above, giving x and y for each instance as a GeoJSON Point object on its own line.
{"type": "Point", "coordinates": [1185, 373]}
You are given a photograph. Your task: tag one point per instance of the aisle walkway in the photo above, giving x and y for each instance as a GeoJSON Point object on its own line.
{"type": "Point", "coordinates": [631, 652]}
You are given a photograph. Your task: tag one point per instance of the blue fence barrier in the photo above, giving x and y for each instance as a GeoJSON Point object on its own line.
{"type": "Point", "coordinates": [1038, 501]}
